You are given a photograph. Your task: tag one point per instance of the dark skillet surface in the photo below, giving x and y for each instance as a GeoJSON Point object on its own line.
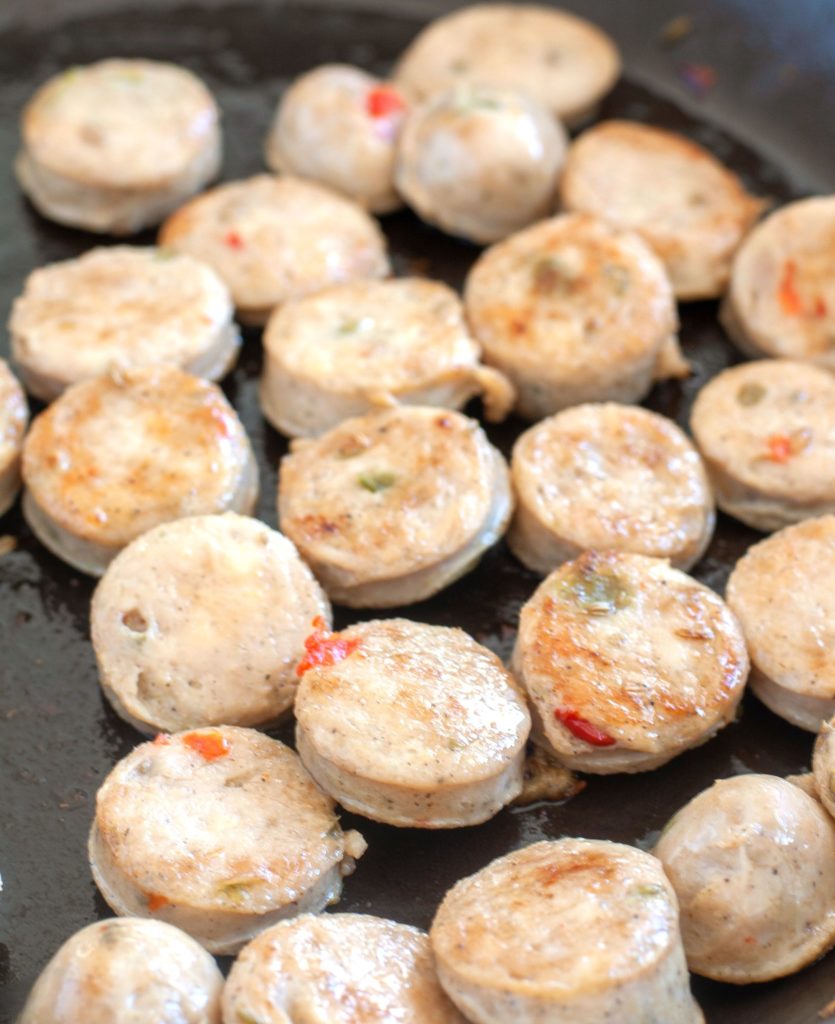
{"type": "Point", "coordinates": [58, 739]}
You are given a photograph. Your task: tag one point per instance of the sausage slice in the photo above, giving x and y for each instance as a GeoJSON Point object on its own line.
{"type": "Point", "coordinates": [117, 145]}
{"type": "Point", "coordinates": [575, 931]}
{"type": "Point", "coordinates": [413, 725]}
{"type": "Point", "coordinates": [627, 662]}
{"type": "Point", "coordinates": [339, 968]}
{"type": "Point", "coordinates": [117, 455]}
{"type": "Point", "coordinates": [272, 239]}
{"type": "Point", "coordinates": [219, 831]}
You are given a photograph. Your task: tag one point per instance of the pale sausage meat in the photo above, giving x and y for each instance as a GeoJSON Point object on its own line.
{"type": "Point", "coordinates": [14, 416]}
{"type": "Point", "coordinates": [823, 766]}
{"type": "Point", "coordinates": [121, 306]}
{"type": "Point", "coordinates": [627, 662]}
{"type": "Point", "coordinates": [480, 161]}
{"type": "Point", "coordinates": [353, 347]}
{"type": "Point", "coordinates": [608, 476]}
{"type": "Point", "coordinates": [783, 593]}
{"type": "Point", "coordinates": [116, 146]}
{"type": "Point", "coordinates": [752, 861]}
{"type": "Point", "coordinates": [117, 455]}
{"type": "Point", "coordinates": [575, 931]}
{"type": "Point", "coordinates": [573, 310]}
{"type": "Point", "coordinates": [272, 239]}
{"type": "Point", "coordinates": [202, 622]}
{"type": "Point", "coordinates": [389, 508]}
{"type": "Point", "coordinates": [781, 299]}
{"type": "Point", "coordinates": [339, 969]}
{"type": "Point", "coordinates": [127, 970]}
{"type": "Point", "coordinates": [340, 126]}
{"type": "Point", "coordinates": [564, 62]}
{"type": "Point", "coordinates": [687, 205]}
{"type": "Point", "coordinates": [766, 430]}
{"type": "Point", "coordinates": [220, 832]}
{"type": "Point", "coordinates": [413, 725]}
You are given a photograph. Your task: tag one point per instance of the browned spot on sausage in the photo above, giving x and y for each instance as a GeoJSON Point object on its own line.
{"type": "Point", "coordinates": [588, 861]}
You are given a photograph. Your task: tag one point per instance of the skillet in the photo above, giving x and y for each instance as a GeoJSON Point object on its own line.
{"type": "Point", "coordinates": [767, 113]}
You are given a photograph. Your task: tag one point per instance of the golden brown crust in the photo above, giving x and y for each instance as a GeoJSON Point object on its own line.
{"type": "Point", "coordinates": [244, 830]}
{"type": "Point", "coordinates": [651, 660]}
{"type": "Point", "coordinates": [572, 311]}
{"type": "Point", "coordinates": [343, 968]}
{"type": "Point", "coordinates": [609, 476]}
{"type": "Point", "coordinates": [386, 494]}
{"type": "Point", "coordinates": [119, 454]}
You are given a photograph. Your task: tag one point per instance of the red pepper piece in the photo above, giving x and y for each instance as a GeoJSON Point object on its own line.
{"type": "Point", "coordinates": [162, 739]}
{"type": "Point", "coordinates": [820, 307]}
{"type": "Point", "coordinates": [324, 648]}
{"type": "Point", "coordinates": [583, 729]}
{"type": "Point", "coordinates": [780, 448]}
{"type": "Point", "coordinates": [209, 745]}
{"type": "Point", "coordinates": [233, 240]}
{"type": "Point", "coordinates": [383, 101]}
{"type": "Point", "coordinates": [787, 293]}
{"type": "Point", "coordinates": [155, 901]}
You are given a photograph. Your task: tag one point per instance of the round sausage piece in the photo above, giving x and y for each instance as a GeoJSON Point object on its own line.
{"type": "Point", "coordinates": [413, 725]}
{"type": "Point", "coordinates": [627, 662]}
{"type": "Point", "coordinates": [783, 592]}
{"type": "Point", "coordinates": [219, 831]}
{"type": "Point", "coordinates": [480, 161]}
{"type": "Point", "coordinates": [14, 416]}
{"type": "Point", "coordinates": [117, 455]}
{"type": "Point", "coordinates": [752, 861]}
{"type": "Point", "coordinates": [781, 299]}
{"type": "Point", "coordinates": [564, 62]}
{"type": "Point", "coordinates": [117, 145]}
{"type": "Point", "coordinates": [687, 205]}
{"type": "Point", "coordinates": [608, 476]}
{"type": "Point", "coordinates": [339, 968]}
{"type": "Point", "coordinates": [575, 931]}
{"type": "Point", "coordinates": [823, 766]}
{"type": "Point", "coordinates": [339, 125]}
{"type": "Point", "coordinates": [128, 970]}
{"type": "Point", "coordinates": [766, 430]}
{"type": "Point", "coordinates": [389, 508]}
{"type": "Point", "coordinates": [573, 310]}
{"type": "Point", "coordinates": [366, 344]}
{"type": "Point", "coordinates": [201, 622]}
{"type": "Point", "coordinates": [272, 239]}
{"type": "Point", "coordinates": [121, 306]}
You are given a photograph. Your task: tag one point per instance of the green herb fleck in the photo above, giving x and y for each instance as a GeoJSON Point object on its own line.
{"type": "Point", "coordinates": [467, 102]}
{"type": "Point", "coordinates": [597, 593]}
{"type": "Point", "coordinates": [650, 890]}
{"type": "Point", "coordinates": [750, 393]}
{"type": "Point", "coordinates": [552, 274]}
{"type": "Point", "coordinates": [163, 254]}
{"type": "Point", "coordinates": [244, 1017]}
{"type": "Point", "coordinates": [131, 75]}
{"type": "Point", "coordinates": [235, 892]}
{"type": "Point", "coordinates": [618, 277]}
{"type": "Point", "coordinates": [376, 480]}
{"type": "Point", "coordinates": [349, 327]}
